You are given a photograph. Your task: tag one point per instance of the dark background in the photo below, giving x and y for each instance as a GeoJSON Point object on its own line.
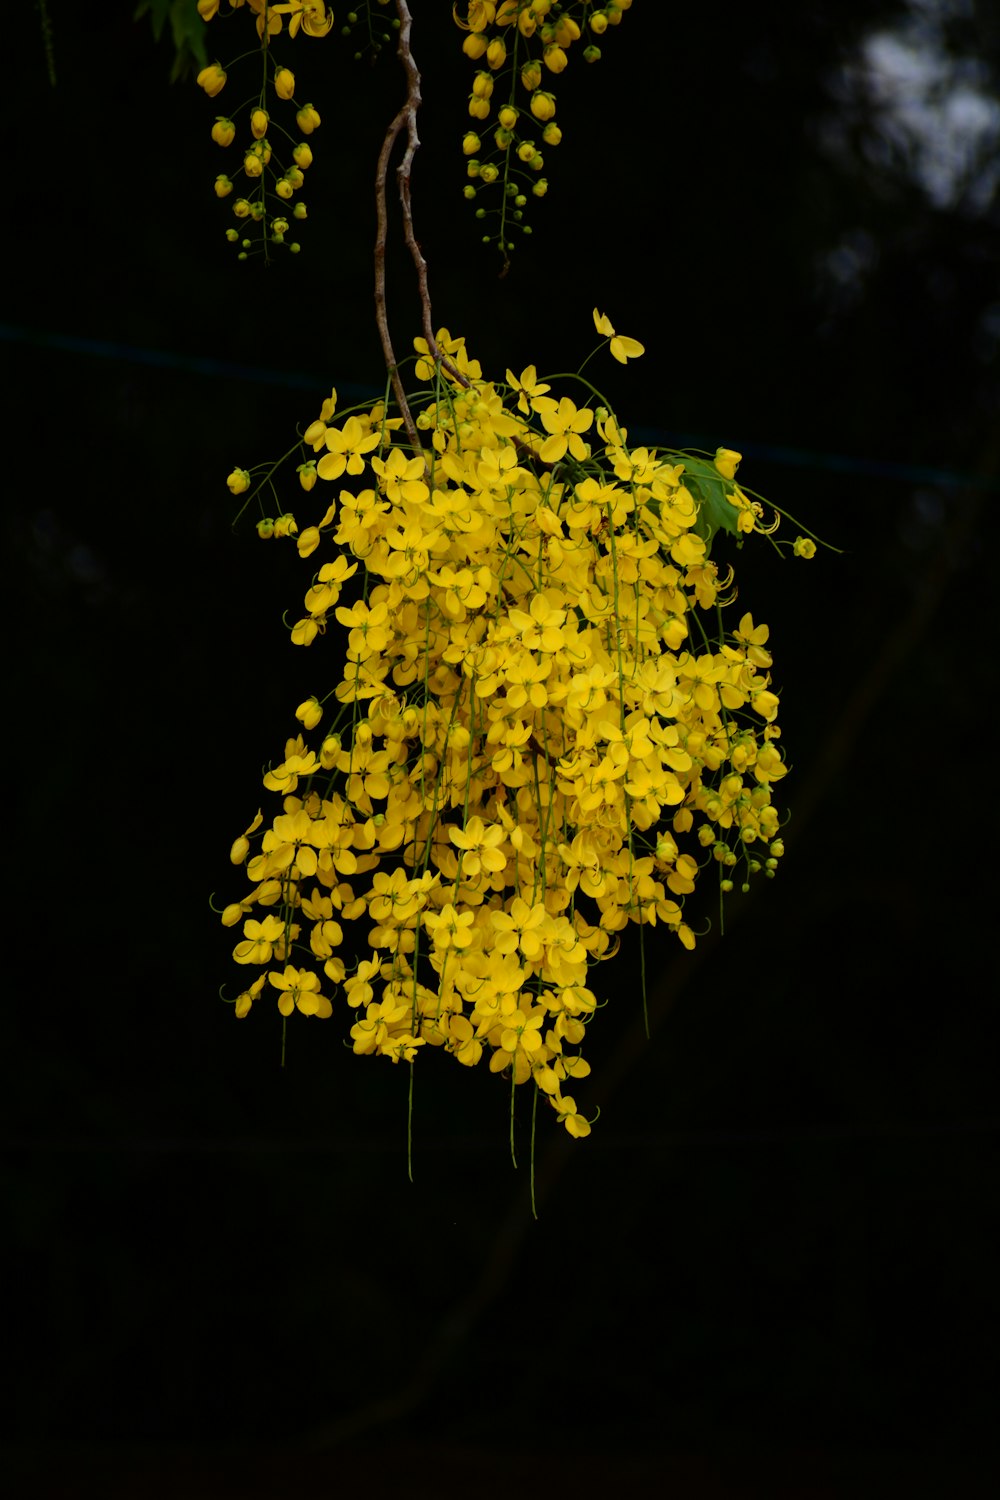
{"type": "Point", "coordinates": [771, 1269]}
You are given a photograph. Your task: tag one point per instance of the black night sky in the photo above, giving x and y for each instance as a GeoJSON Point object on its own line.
{"type": "Point", "coordinates": [771, 1269]}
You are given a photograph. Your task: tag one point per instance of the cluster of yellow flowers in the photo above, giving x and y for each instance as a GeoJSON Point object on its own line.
{"type": "Point", "coordinates": [522, 43]}
{"type": "Point", "coordinates": [542, 730]}
{"type": "Point", "coordinates": [266, 177]}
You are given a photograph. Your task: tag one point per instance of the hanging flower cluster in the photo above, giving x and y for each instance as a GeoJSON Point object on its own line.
{"type": "Point", "coordinates": [520, 45]}
{"type": "Point", "coordinates": [542, 730]}
{"type": "Point", "coordinates": [271, 176]}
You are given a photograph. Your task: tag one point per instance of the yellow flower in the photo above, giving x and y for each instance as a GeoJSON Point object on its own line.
{"type": "Point", "coordinates": [259, 940]}
{"type": "Point", "coordinates": [622, 349]}
{"type": "Point", "coordinates": [804, 547]}
{"type": "Point", "coordinates": [244, 1001]}
{"type": "Point", "coordinates": [238, 481]}
{"type": "Point", "coordinates": [564, 422]}
{"type": "Point", "coordinates": [299, 988]}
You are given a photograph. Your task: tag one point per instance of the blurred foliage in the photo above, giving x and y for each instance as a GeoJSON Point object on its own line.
{"type": "Point", "coordinates": [187, 30]}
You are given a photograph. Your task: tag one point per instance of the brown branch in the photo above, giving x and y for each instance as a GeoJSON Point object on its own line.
{"type": "Point", "coordinates": [407, 115]}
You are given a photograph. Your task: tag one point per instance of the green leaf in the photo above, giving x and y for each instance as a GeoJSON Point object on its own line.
{"type": "Point", "coordinates": [709, 490]}
{"type": "Point", "coordinates": [187, 30]}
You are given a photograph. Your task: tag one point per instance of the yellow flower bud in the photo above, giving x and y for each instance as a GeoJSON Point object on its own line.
{"type": "Point", "coordinates": [302, 155]}
{"type": "Point", "coordinates": [727, 461]}
{"type": "Point", "coordinates": [307, 119]}
{"type": "Point", "coordinates": [479, 109]}
{"type": "Point", "coordinates": [307, 474]}
{"type": "Point", "coordinates": [212, 79]}
{"type": "Point", "coordinates": [496, 54]}
{"type": "Point", "coordinates": [540, 188]}
{"type": "Point", "coordinates": [284, 83]}
{"type": "Point", "coordinates": [238, 481]}
{"type": "Point", "coordinates": [299, 211]}
{"type": "Point", "coordinates": [482, 85]}
{"type": "Point", "coordinates": [284, 188]}
{"type": "Point", "coordinates": [295, 177]}
{"type": "Point", "coordinates": [552, 135]}
{"type": "Point", "coordinates": [803, 547]}
{"type": "Point", "coordinates": [508, 117]}
{"type": "Point", "coordinates": [252, 164]}
{"type": "Point", "coordinates": [543, 105]}
{"type": "Point", "coordinates": [554, 58]}
{"type": "Point", "coordinates": [531, 75]}
{"type": "Point", "coordinates": [475, 45]}
{"type": "Point", "coordinates": [234, 911]}
{"type": "Point", "coordinates": [471, 143]}
{"type": "Point", "coordinates": [223, 131]}
{"type": "Point", "coordinates": [241, 208]}
{"type": "Point", "coordinates": [223, 186]}
{"type": "Point", "coordinates": [265, 528]}
{"type": "Point", "coordinates": [309, 712]}
{"type": "Point", "coordinates": [598, 23]}
{"type": "Point", "coordinates": [258, 124]}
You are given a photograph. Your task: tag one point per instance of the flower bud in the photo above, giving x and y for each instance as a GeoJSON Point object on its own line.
{"type": "Point", "coordinates": [540, 188]}
{"type": "Point", "coordinates": [284, 83]}
{"type": "Point", "coordinates": [238, 481]}
{"type": "Point", "coordinates": [479, 109]}
{"type": "Point", "coordinates": [554, 58]}
{"type": "Point", "coordinates": [543, 105]}
{"type": "Point", "coordinates": [307, 119]}
{"type": "Point", "coordinates": [552, 135]}
{"type": "Point", "coordinates": [727, 461]}
{"type": "Point", "coordinates": [803, 547]}
{"type": "Point", "coordinates": [482, 85]}
{"type": "Point", "coordinates": [307, 474]}
{"type": "Point", "coordinates": [241, 208]}
{"type": "Point", "coordinates": [496, 54]}
{"type": "Point", "coordinates": [598, 23]}
{"type": "Point", "coordinates": [591, 54]}
{"type": "Point", "coordinates": [299, 211]}
{"type": "Point", "coordinates": [531, 75]}
{"type": "Point", "coordinates": [302, 155]}
{"type": "Point", "coordinates": [508, 117]}
{"type": "Point", "coordinates": [258, 124]}
{"type": "Point", "coordinates": [471, 143]}
{"type": "Point", "coordinates": [212, 79]}
{"type": "Point", "coordinates": [309, 712]}
{"type": "Point", "coordinates": [475, 45]}
{"type": "Point", "coordinates": [265, 528]}
{"type": "Point", "coordinates": [223, 186]}
{"type": "Point", "coordinates": [223, 131]}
